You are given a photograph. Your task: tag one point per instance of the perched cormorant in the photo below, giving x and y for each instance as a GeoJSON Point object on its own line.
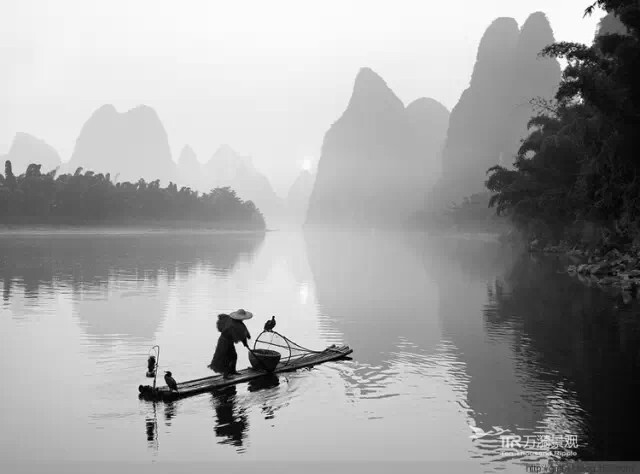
{"type": "Point", "coordinates": [171, 382]}
{"type": "Point", "coordinates": [270, 324]}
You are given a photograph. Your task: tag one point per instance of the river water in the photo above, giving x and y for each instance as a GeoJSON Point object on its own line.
{"type": "Point", "coordinates": [459, 345]}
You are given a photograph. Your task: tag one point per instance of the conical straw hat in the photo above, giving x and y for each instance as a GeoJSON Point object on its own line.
{"type": "Point", "coordinates": [241, 314]}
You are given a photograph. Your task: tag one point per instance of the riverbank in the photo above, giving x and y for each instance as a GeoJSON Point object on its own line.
{"type": "Point", "coordinates": [125, 226]}
{"type": "Point", "coordinates": [604, 267]}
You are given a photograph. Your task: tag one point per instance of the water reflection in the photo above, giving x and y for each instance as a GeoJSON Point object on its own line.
{"type": "Point", "coordinates": [6, 288]}
{"type": "Point", "coordinates": [543, 355]}
{"type": "Point", "coordinates": [504, 393]}
{"type": "Point", "coordinates": [230, 409]}
{"type": "Point", "coordinates": [151, 425]}
{"type": "Point", "coordinates": [540, 354]}
{"type": "Point", "coordinates": [232, 421]}
{"type": "Point", "coordinates": [573, 339]}
{"type": "Point", "coordinates": [265, 383]}
{"type": "Point", "coordinates": [152, 431]}
{"type": "Point", "coordinates": [119, 282]}
{"type": "Point", "coordinates": [170, 411]}
{"type": "Point", "coordinates": [374, 291]}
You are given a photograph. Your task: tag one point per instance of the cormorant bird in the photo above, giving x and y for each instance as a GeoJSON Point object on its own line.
{"type": "Point", "coordinates": [171, 382]}
{"type": "Point", "coordinates": [270, 324]}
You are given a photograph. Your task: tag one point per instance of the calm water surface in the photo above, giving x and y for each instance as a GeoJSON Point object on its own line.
{"type": "Point", "coordinates": [456, 342]}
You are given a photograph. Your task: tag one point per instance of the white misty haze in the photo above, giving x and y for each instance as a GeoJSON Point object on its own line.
{"type": "Point", "coordinates": [266, 77]}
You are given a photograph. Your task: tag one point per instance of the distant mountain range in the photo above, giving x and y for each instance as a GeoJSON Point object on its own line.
{"type": "Point", "coordinates": [134, 145]}
{"type": "Point", "coordinates": [226, 167]}
{"type": "Point", "coordinates": [380, 161]}
{"type": "Point", "coordinates": [377, 159]}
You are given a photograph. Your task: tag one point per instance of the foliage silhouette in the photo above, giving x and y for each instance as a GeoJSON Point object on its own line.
{"type": "Point", "coordinates": [578, 165]}
{"type": "Point", "coordinates": [87, 197]}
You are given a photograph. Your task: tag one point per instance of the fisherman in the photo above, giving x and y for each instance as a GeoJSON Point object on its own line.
{"type": "Point", "coordinates": [232, 330]}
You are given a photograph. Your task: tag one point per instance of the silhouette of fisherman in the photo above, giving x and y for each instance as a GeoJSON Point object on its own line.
{"type": "Point", "coordinates": [232, 330]}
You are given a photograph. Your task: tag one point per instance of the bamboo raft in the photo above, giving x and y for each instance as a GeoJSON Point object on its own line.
{"type": "Point", "coordinates": [207, 384]}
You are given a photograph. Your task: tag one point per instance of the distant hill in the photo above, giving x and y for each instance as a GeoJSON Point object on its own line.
{"type": "Point", "coordinates": [27, 149]}
{"type": "Point", "coordinates": [298, 196]}
{"type": "Point", "coordinates": [228, 168]}
{"type": "Point", "coordinates": [428, 121]}
{"type": "Point", "coordinates": [491, 117]}
{"type": "Point", "coordinates": [129, 145]}
{"type": "Point", "coordinates": [377, 158]}
{"type": "Point", "coordinates": [190, 170]}
{"type": "Point", "coordinates": [533, 77]}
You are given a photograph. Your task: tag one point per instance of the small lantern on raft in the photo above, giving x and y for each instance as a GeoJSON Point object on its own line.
{"type": "Point", "coordinates": [151, 366]}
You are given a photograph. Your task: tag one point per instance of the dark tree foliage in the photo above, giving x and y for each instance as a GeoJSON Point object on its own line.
{"type": "Point", "coordinates": [580, 161]}
{"type": "Point", "coordinates": [90, 197]}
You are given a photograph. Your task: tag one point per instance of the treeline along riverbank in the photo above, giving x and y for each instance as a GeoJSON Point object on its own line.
{"type": "Point", "coordinates": [87, 198]}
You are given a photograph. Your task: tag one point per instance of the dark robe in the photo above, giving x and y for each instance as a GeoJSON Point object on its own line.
{"type": "Point", "coordinates": [225, 357]}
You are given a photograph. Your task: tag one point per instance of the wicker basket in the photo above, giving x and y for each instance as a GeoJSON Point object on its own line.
{"type": "Point", "coordinates": [264, 359]}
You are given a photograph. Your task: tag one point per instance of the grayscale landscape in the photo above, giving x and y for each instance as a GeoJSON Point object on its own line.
{"type": "Point", "coordinates": [319, 237]}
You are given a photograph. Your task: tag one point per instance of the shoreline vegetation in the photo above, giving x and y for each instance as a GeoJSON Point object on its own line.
{"type": "Point", "coordinates": [119, 228]}
{"type": "Point", "coordinates": [472, 215]}
{"type": "Point", "coordinates": [87, 199]}
{"type": "Point", "coordinates": [574, 186]}
{"type": "Point", "coordinates": [71, 223]}
{"type": "Point", "coordinates": [605, 266]}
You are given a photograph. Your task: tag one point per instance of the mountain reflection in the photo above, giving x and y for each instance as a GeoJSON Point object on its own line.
{"type": "Point", "coordinates": [503, 390]}
{"type": "Point", "coordinates": [119, 282]}
{"type": "Point", "coordinates": [582, 339]}
{"type": "Point", "coordinates": [465, 268]}
{"type": "Point", "coordinates": [542, 353]}
{"type": "Point", "coordinates": [375, 291]}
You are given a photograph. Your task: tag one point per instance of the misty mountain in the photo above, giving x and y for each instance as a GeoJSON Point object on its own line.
{"type": "Point", "coordinates": [428, 121]}
{"type": "Point", "coordinates": [228, 168]}
{"type": "Point", "coordinates": [298, 196]}
{"type": "Point", "coordinates": [190, 170]}
{"type": "Point", "coordinates": [26, 149]}
{"type": "Point", "coordinates": [375, 159]}
{"type": "Point", "coordinates": [533, 77]}
{"type": "Point", "coordinates": [490, 119]}
{"type": "Point", "coordinates": [130, 145]}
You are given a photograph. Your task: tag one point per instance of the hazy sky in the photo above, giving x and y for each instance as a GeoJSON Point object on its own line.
{"type": "Point", "coordinates": [267, 77]}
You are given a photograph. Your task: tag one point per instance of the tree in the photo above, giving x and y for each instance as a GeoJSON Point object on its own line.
{"type": "Point", "coordinates": [10, 179]}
